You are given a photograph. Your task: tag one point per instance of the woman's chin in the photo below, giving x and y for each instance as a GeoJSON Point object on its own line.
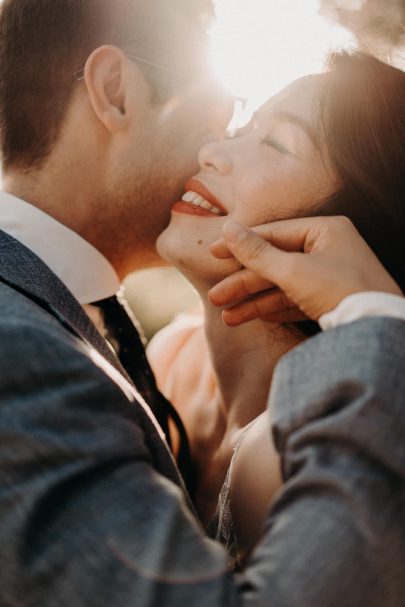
{"type": "Point", "coordinates": [193, 259]}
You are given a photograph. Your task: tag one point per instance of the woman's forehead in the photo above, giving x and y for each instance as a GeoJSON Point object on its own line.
{"type": "Point", "coordinates": [297, 98]}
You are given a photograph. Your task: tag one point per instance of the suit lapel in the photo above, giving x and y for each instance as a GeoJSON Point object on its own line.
{"type": "Point", "coordinates": [21, 269]}
{"type": "Point", "coordinates": [24, 271]}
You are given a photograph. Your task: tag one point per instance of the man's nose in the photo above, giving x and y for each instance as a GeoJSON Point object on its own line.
{"type": "Point", "coordinates": [223, 110]}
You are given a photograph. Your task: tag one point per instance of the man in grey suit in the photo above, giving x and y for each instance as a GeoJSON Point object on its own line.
{"type": "Point", "coordinates": [103, 106]}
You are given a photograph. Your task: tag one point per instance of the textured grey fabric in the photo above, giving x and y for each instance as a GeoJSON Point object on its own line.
{"type": "Point", "coordinates": [93, 513]}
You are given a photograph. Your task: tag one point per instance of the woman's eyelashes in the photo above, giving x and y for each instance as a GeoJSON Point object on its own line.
{"type": "Point", "coordinates": [252, 127]}
{"type": "Point", "coordinates": [270, 141]}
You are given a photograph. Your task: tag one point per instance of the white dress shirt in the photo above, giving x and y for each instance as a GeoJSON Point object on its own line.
{"type": "Point", "coordinates": [361, 305]}
{"type": "Point", "coordinates": [80, 266]}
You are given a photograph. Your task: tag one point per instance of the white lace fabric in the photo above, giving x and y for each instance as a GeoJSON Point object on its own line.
{"type": "Point", "coordinates": [222, 527]}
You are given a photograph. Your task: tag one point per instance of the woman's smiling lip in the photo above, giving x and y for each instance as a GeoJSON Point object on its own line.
{"type": "Point", "coordinates": [198, 200]}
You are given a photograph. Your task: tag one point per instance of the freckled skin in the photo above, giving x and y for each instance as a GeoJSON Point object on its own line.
{"type": "Point", "coordinates": [200, 242]}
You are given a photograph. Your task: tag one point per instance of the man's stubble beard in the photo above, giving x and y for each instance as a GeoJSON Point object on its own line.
{"type": "Point", "coordinates": [135, 220]}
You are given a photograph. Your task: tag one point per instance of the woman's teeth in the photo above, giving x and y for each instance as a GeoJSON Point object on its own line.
{"type": "Point", "coordinates": [198, 201]}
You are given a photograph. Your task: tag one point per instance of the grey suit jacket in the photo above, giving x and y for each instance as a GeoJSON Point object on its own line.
{"type": "Point", "coordinates": [93, 512]}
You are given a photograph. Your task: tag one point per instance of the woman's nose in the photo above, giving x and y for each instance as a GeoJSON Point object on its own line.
{"type": "Point", "coordinates": [216, 157]}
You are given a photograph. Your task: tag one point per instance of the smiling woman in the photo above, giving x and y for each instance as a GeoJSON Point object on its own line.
{"type": "Point", "coordinates": [274, 168]}
{"type": "Point", "coordinates": [320, 146]}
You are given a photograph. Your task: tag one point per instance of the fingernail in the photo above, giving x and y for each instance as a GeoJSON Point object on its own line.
{"type": "Point", "coordinates": [234, 231]}
{"type": "Point", "coordinates": [216, 243]}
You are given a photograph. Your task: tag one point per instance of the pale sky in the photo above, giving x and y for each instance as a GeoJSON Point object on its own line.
{"type": "Point", "coordinates": [259, 46]}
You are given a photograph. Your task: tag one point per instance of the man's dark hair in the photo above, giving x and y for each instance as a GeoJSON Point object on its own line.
{"type": "Point", "coordinates": [44, 42]}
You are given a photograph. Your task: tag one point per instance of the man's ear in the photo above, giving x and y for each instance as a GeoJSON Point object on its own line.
{"type": "Point", "coordinates": [106, 79]}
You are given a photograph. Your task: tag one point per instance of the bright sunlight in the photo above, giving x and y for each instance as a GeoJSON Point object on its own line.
{"type": "Point", "coordinates": [260, 46]}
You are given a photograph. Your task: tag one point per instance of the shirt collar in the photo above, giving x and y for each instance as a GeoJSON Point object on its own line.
{"type": "Point", "coordinates": [79, 265]}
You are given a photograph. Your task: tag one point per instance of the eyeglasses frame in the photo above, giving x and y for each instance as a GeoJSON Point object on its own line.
{"type": "Point", "coordinates": [79, 75]}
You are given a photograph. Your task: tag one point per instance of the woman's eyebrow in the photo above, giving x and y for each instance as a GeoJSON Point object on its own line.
{"type": "Point", "coordinates": [302, 124]}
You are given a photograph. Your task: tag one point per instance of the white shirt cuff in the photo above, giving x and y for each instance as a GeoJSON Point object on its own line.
{"type": "Point", "coordinates": [362, 305]}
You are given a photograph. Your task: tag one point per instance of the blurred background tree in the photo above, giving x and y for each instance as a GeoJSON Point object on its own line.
{"type": "Point", "coordinates": [378, 25]}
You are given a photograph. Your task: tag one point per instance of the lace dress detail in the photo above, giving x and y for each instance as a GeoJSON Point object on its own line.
{"type": "Point", "coordinates": [221, 527]}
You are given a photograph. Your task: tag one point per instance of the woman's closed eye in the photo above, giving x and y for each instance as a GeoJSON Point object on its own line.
{"type": "Point", "coordinates": [274, 143]}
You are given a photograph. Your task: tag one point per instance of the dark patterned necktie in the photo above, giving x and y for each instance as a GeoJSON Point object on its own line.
{"type": "Point", "coordinates": [123, 333]}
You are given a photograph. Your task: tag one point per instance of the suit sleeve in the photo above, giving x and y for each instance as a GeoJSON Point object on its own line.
{"type": "Point", "coordinates": [336, 532]}
{"type": "Point", "coordinates": [87, 520]}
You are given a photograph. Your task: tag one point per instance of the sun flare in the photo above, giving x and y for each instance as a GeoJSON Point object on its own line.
{"type": "Point", "coordinates": [260, 46]}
